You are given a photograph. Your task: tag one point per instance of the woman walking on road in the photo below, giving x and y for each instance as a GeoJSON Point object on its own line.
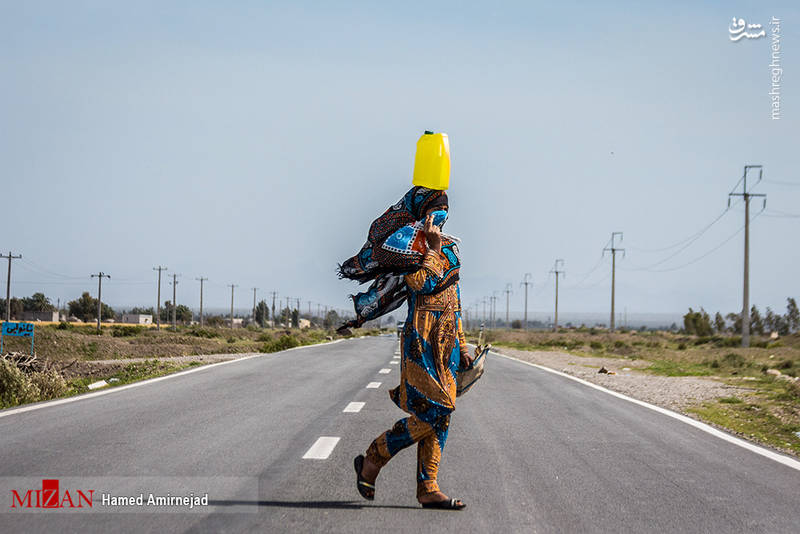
{"type": "Point", "coordinates": [409, 260]}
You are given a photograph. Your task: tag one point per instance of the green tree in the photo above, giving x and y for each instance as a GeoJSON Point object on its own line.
{"type": "Point", "coordinates": [262, 313]}
{"type": "Point", "coordinates": [182, 313]}
{"type": "Point", "coordinates": [37, 303]}
{"type": "Point", "coordinates": [85, 308]}
{"type": "Point", "coordinates": [719, 323]}
{"type": "Point", "coordinates": [736, 322]}
{"type": "Point", "coordinates": [756, 323]}
{"type": "Point", "coordinates": [144, 311]}
{"type": "Point", "coordinates": [17, 308]}
{"type": "Point", "coordinates": [697, 323]}
{"type": "Point", "coordinates": [792, 315]}
{"type": "Point", "coordinates": [770, 321]}
{"type": "Point", "coordinates": [295, 319]}
{"type": "Point", "coordinates": [332, 319]}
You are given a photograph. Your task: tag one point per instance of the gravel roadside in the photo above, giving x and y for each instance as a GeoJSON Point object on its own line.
{"type": "Point", "coordinates": [672, 392]}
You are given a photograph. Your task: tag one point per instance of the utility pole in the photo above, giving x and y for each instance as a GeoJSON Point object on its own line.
{"type": "Point", "coordinates": [557, 272]}
{"type": "Point", "coordinates": [484, 309]}
{"type": "Point", "coordinates": [201, 298]}
{"type": "Point", "coordinates": [274, 294]}
{"type": "Point", "coordinates": [526, 284]}
{"type": "Point", "coordinates": [508, 292]}
{"type": "Point", "coordinates": [158, 301]}
{"type": "Point", "coordinates": [254, 303]}
{"type": "Point", "coordinates": [100, 277]}
{"type": "Point", "coordinates": [232, 286]}
{"type": "Point", "coordinates": [746, 293]}
{"type": "Point", "coordinates": [174, 304]}
{"type": "Point", "coordinates": [614, 251]}
{"type": "Point", "coordinates": [8, 283]}
{"type": "Point", "coordinates": [494, 309]}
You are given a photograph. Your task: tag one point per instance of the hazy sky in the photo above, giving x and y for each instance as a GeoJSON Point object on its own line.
{"type": "Point", "coordinates": [253, 142]}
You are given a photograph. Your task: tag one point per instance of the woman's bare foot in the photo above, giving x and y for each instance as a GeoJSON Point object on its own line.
{"type": "Point", "coordinates": [369, 471]}
{"type": "Point", "coordinates": [436, 496]}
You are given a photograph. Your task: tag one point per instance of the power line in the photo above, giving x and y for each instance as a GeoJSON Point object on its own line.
{"type": "Point", "coordinates": [692, 238]}
{"type": "Point", "coordinates": [782, 182]}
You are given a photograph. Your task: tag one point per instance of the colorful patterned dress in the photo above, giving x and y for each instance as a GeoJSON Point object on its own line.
{"type": "Point", "coordinates": [432, 343]}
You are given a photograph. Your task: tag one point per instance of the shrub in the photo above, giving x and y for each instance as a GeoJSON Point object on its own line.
{"type": "Point", "coordinates": [264, 338]}
{"type": "Point", "coordinates": [619, 344]}
{"type": "Point", "coordinates": [681, 346]}
{"type": "Point", "coordinates": [63, 325]}
{"type": "Point", "coordinates": [786, 364]}
{"type": "Point", "coordinates": [203, 332]}
{"type": "Point", "coordinates": [596, 345]}
{"type": "Point", "coordinates": [516, 324]}
{"type": "Point", "coordinates": [125, 331]}
{"type": "Point", "coordinates": [15, 386]}
{"type": "Point", "coordinates": [714, 364]}
{"type": "Point", "coordinates": [734, 360]}
{"type": "Point", "coordinates": [283, 343]}
{"type": "Point", "coordinates": [50, 383]}
{"type": "Point", "coordinates": [730, 400]}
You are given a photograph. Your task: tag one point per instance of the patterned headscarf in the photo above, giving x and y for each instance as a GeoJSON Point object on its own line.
{"type": "Point", "coordinates": [387, 266]}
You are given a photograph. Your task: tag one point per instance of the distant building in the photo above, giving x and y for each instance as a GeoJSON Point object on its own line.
{"type": "Point", "coordinates": [40, 316]}
{"type": "Point", "coordinates": [304, 323]}
{"type": "Point", "coordinates": [137, 318]}
{"type": "Point", "coordinates": [238, 322]}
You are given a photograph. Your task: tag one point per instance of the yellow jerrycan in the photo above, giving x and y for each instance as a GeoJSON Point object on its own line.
{"type": "Point", "coordinates": [432, 162]}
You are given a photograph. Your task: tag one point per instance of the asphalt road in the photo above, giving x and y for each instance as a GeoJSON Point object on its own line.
{"type": "Point", "coordinates": [528, 451]}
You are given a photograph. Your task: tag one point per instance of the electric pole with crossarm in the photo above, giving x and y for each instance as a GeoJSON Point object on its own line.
{"type": "Point", "coordinates": [526, 284]}
{"type": "Point", "coordinates": [557, 272]}
{"type": "Point", "coordinates": [201, 298]}
{"type": "Point", "coordinates": [508, 291]}
{"type": "Point", "coordinates": [8, 283]}
{"type": "Point", "coordinates": [174, 304]}
{"type": "Point", "coordinates": [747, 195]}
{"type": "Point", "coordinates": [614, 251]}
{"type": "Point", "coordinates": [158, 299]}
{"type": "Point", "coordinates": [100, 277]}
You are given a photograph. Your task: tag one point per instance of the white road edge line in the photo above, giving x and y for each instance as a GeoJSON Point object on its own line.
{"type": "Point", "coordinates": [322, 448]}
{"type": "Point", "coordinates": [385, 371]}
{"type": "Point", "coordinates": [353, 407]}
{"type": "Point", "coordinates": [785, 460]}
{"type": "Point", "coordinates": [56, 402]}
{"type": "Point", "coordinates": [373, 385]}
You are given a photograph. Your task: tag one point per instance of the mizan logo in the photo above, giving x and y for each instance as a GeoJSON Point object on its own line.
{"type": "Point", "coordinates": [50, 497]}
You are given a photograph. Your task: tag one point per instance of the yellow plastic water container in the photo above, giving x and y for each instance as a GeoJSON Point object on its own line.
{"type": "Point", "coordinates": [432, 162]}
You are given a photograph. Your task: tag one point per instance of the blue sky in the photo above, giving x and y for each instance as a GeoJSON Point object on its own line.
{"type": "Point", "coordinates": [253, 143]}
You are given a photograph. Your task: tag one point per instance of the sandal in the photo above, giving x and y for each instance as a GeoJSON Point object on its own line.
{"type": "Point", "coordinates": [447, 504]}
{"type": "Point", "coordinates": [366, 489]}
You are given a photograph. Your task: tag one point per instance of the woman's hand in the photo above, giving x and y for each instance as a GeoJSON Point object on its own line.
{"type": "Point", "coordinates": [466, 361]}
{"type": "Point", "coordinates": [433, 234]}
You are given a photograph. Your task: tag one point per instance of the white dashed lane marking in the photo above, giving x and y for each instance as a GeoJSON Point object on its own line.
{"type": "Point", "coordinates": [373, 385]}
{"type": "Point", "coordinates": [353, 407]}
{"type": "Point", "coordinates": [395, 362]}
{"type": "Point", "coordinates": [385, 371]}
{"type": "Point", "coordinates": [321, 449]}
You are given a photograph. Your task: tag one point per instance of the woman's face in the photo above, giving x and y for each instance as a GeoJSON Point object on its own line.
{"type": "Point", "coordinates": [436, 208]}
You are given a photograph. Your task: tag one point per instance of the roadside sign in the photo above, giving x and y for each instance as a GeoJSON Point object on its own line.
{"type": "Point", "coordinates": [18, 330]}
